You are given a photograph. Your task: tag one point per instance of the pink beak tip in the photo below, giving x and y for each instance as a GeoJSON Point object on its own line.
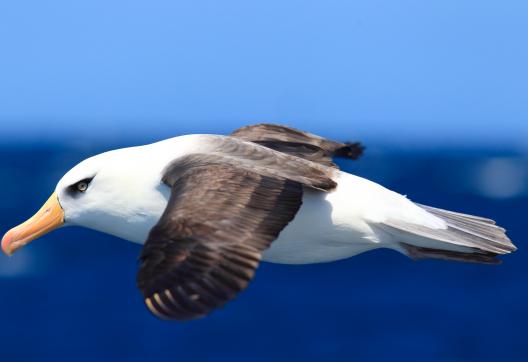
{"type": "Point", "coordinates": [6, 242]}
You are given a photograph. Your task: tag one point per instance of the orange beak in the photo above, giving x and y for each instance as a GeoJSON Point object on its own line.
{"type": "Point", "coordinates": [48, 218]}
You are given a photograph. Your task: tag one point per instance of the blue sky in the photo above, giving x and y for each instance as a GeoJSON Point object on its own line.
{"type": "Point", "coordinates": [450, 71]}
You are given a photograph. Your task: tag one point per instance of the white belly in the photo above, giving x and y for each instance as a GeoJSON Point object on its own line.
{"type": "Point", "coordinates": [328, 227]}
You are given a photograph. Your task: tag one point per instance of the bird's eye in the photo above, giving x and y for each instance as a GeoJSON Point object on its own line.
{"type": "Point", "coordinates": [82, 186]}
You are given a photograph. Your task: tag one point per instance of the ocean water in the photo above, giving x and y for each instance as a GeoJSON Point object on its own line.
{"type": "Point", "coordinates": [71, 296]}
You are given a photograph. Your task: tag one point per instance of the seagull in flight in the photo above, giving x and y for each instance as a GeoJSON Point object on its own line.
{"type": "Point", "coordinates": [209, 208]}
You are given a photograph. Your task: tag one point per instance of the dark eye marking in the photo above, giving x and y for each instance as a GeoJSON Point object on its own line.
{"type": "Point", "coordinates": [80, 186]}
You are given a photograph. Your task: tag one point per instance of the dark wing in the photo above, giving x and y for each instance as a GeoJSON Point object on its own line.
{"type": "Point", "coordinates": [208, 242]}
{"type": "Point", "coordinates": [299, 143]}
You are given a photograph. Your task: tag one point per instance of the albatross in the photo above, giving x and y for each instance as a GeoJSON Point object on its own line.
{"type": "Point", "coordinates": [209, 208]}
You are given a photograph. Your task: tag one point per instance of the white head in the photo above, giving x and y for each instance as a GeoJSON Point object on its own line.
{"type": "Point", "coordinates": [117, 192]}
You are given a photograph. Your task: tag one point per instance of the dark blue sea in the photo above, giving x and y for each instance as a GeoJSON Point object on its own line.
{"type": "Point", "coordinates": [71, 296]}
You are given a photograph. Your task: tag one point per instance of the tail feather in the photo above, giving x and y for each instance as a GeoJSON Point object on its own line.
{"type": "Point", "coordinates": [465, 238]}
{"type": "Point", "coordinates": [434, 210]}
{"type": "Point", "coordinates": [418, 253]}
{"type": "Point", "coordinates": [482, 231]}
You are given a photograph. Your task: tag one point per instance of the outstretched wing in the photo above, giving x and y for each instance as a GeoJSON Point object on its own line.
{"type": "Point", "coordinates": [208, 242]}
{"type": "Point", "coordinates": [299, 143]}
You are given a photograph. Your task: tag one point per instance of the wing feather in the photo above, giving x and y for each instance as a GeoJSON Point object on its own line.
{"type": "Point", "coordinates": [299, 143]}
{"type": "Point", "coordinates": [207, 244]}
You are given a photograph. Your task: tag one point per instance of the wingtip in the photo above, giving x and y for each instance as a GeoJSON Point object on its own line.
{"type": "Point", "coordinates": [351, 150]}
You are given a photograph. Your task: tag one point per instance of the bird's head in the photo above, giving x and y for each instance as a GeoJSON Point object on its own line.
{"type": "Point", "coordinates": [102, 193]}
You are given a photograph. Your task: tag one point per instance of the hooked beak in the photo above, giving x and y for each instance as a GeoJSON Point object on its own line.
{"type": "Point", "coordinates": [48, 218]}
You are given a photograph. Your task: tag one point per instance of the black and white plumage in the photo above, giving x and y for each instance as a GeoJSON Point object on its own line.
{"type": "Point", "coordinates": [209, 208]}
{"type": "Point", "coordinates": [207, 244]}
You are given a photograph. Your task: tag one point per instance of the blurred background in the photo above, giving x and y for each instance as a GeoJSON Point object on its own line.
{"type": "Point", "coordinates": [438, 92]}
